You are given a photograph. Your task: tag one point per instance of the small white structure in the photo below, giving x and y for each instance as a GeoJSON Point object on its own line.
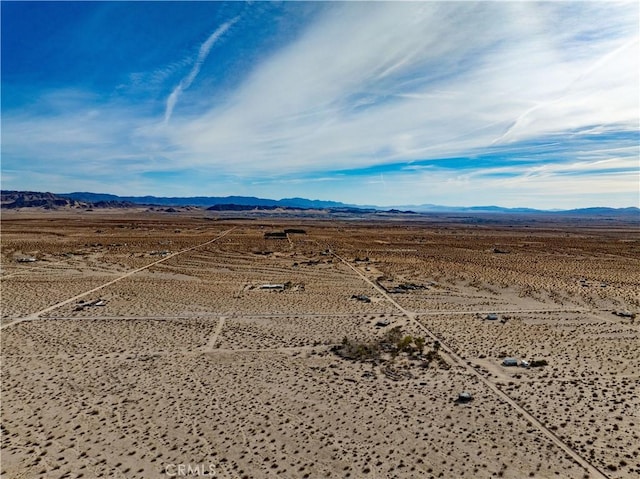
{"type": "Point", "coordinates": [28, 259]}
{"type": "Point", "coordinates": [272, 286]}
{"type": "Point", "coordinates": [491, 316]}
{"type": "Point", "coordinates": [89, 304]}
{"type": "Point", "coordinates": [509, 362]}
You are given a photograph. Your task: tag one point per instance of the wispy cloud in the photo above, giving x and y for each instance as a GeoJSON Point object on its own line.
{"type": "Point", "coordinates": [474, 73]}
{"type": "Point", "coordinates": [203, 53]}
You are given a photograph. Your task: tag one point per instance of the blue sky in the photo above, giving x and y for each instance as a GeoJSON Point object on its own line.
{"type": "Point", "coordinates": [388, 103]}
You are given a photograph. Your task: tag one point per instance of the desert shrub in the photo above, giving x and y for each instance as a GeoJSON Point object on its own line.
{"type": "Point", "coordinates": [393, 342]}
{"type": "Point", "coordinates": [359, 351]}
{"type": "Point", "coordinates": [538, 363]}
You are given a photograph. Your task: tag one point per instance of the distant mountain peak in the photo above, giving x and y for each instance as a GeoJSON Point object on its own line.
{"type": "Point", "coordinates": [52, 201]}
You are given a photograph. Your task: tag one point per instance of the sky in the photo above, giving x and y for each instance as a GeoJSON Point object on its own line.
{"type": "Point", "coordinates": [516, 104]}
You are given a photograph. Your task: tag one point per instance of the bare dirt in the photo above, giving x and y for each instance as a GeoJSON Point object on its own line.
{"type": "Point", "coordinates": [138, 342]}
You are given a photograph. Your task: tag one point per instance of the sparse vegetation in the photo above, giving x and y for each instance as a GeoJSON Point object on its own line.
{"type": "Point", "coordinates": [389, 347]}
{"type": "Point", "coordinates": [538, 363]}
{"type": "Point", "coordinates": [158, 374]}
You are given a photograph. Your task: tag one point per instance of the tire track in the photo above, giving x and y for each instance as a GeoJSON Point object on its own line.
{"type": "Point", "coordinates": [210, 346]}
{"type": "Point", "coordinates": [37, 314]}
{"type": "Point", "coordinates": [590, 468]}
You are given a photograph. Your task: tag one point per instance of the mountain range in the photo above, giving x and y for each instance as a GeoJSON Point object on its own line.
{"type": "Point", "coordinates": [50, 201]}
{"type": "Point", "coordinates": [22, 199]}
{"type": "Point", "coordinates": [205, 201]}
{"type": "Point", "coordinates": [303, 203]}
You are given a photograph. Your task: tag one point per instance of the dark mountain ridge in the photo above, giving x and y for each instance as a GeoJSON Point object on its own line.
{"type": "Point", "coordinates": [23, 199]}
{"type": "Point", "coordinates": [206, 201]}
{"type": "Point", "coordinates": [303, 203]}
{"type": "Point", "coordinates": [50, 201]}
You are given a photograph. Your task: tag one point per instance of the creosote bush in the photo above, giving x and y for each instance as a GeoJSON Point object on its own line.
{"type": "Point", "coordinates": [392, 343]}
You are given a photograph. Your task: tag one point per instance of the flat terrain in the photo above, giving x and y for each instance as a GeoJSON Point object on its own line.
{"type": "Point", "coordinates": [134, 342]}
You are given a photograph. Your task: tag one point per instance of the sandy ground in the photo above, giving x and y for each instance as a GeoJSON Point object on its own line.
{"type": "Point", "coordinates": [189, 362]}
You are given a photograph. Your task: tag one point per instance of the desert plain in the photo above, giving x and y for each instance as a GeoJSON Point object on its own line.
{"type": "Point", "coordinates": [148, 344]}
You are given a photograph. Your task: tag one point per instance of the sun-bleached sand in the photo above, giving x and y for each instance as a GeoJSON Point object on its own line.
{"type": "Point", "coordinates": [177, 355]}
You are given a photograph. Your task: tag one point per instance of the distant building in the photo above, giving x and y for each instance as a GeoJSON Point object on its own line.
{"type": "Point", "coordinates": [509, 362]}
{"type": "Point", "coordinates": [361, 297]}
{"type": "Point", "coordinates": [465, 396]}
{"type": "Point", "coordinates": [28, 259]}
{"type": "Point", "coordinates": [272, 286]}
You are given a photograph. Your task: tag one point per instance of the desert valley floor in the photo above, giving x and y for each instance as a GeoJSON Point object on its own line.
{"type": "Point", "coordinates": [135, 343]}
